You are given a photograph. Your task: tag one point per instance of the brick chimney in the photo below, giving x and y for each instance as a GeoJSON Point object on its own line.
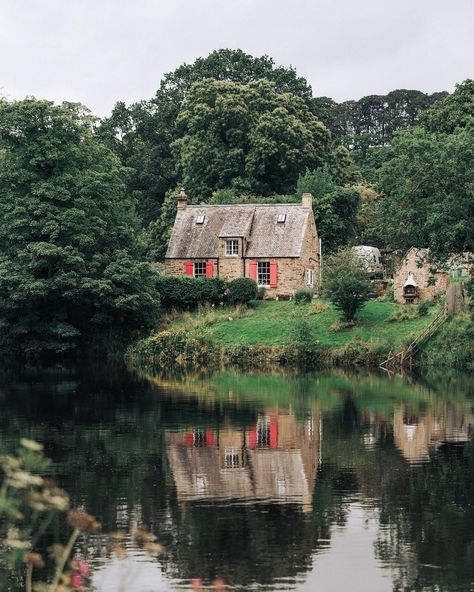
{"type": "Point", "coordinates": [307, 200]}
{"type": "Point", "coordinates": [182, 200]}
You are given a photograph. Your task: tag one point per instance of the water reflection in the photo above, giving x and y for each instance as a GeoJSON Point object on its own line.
{"type": "Point", "coordinates": [329, 482]}
{"type": "Point", "coordinates": [273, 460]}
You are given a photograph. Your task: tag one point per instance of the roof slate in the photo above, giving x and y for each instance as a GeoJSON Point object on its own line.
{"type": "Point", "coordinates": [256, 223]}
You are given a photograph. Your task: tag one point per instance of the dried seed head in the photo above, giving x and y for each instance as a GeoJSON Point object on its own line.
{"type": "Point", "coordinates": [34, 559]}
{"type": "Point", "coordinates": [83, 521]}
{"type": "Point", "coordinates": [31, 445]}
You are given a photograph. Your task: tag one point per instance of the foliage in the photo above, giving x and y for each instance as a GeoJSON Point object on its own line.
{"type": "Point", "coordinates": [245, 136]}
{"type": "Point", "coordinates": [454, 111]}
{"type": "Point", "coordinates": [303, 347]}
{"type": "Point", "coordinates": [428, 199]}
{"type": "Point", "coordinates": [141, 134]}
{"type": "Point", "coordinates": [242, 290]}
{"type": "Point", "coordinates": [303, 296]}
{"type": "Point", "coordinates": [71, 272]}
{"type": "Point", "coordinates": [334, 208]}
{"type": "Point", "coordinates": [452, 346]}
{"type": "Point", "coordinates": [188, 292]}
{"type": "Point", "coordinates": [346, 283]}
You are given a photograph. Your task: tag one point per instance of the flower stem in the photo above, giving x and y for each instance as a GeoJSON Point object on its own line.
{"type": "Point", "coordinates": [66, 553]}
{"type": "Point", "coordinates": [29, 575]}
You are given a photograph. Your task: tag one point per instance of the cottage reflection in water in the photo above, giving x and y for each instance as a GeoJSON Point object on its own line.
{"type": "Point", "coordinates": [275, 460]}
{"type": "Point", "coordinates": [416, 435]}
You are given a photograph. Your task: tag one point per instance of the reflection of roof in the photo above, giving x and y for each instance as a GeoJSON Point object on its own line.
{"type": "Point", "coordinates": [257, 223]}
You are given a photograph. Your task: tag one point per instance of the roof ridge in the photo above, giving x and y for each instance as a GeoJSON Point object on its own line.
{"type": "Point", "coordinates": [249, 205]}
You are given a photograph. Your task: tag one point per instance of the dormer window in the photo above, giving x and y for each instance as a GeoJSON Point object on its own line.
{"type": "Point", "coordinates": [281, 218]}
{"type": "Point", "coordinates": [231, 248]}
{"type": "Point", "coordinates": [200, 219]}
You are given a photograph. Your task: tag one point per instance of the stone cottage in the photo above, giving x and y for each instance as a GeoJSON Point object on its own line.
{"type": "Point", "coordinates": [416, 279]}
{"type": "Point", "coordinates": [276, 244]}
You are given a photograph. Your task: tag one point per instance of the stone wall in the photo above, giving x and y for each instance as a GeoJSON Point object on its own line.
{"type": "Point", "coordinates": [291, 271]}
{"type": "Point", "coordinates": [422, 276]}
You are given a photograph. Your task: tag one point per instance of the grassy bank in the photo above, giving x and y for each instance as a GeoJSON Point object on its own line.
{"type": "Point", "coordinates": [452, 346]}
{"type": "Point", "coordinates": [270, 333]}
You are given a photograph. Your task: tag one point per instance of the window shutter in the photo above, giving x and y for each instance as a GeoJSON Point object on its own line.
{"type": "Point", "coordinates": [189, 268]}
{"type": "Point", "coordinates": [273, 432]}
{"type": "Point", "coordinates": [253, 270]}
{"type": "Point", "coordinates": [273, 274]}
{"type": "Point", "coordinates": [209, 269]}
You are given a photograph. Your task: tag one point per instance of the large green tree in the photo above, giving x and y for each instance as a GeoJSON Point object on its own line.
{"type": "Point", "coordinates": [428, 191]}
{"type": "Point", "coordinates": [246, 136]}
{"type": "Point", "coordinates": [70, 268]}
{"type": "Point", "coordinates": [335, 208]}
{"type": "Point", "coordinates": [142, 133]}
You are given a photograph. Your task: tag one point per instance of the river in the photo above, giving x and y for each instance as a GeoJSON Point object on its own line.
{"type": "Point", "coordinates": [334, 482]}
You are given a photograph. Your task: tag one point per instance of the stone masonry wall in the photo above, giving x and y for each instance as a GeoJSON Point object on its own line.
{"type": "Point", "coordinates": [422, 276]}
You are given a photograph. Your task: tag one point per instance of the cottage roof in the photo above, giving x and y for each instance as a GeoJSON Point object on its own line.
{"type": "Point", "coordinates": [257, 223]}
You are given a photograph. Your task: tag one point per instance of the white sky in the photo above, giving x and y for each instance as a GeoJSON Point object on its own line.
{"type": "Point", "coordinates": [101, 51]}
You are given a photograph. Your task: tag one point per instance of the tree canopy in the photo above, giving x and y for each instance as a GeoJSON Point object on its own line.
{"type": "Point", "coordinates": [71, 272]}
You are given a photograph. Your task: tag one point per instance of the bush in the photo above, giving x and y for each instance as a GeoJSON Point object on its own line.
{"type": "Point", "coordinates": [423, 308]}
{"type": "Point", "coordinates": [303, 296]}
{"type": "Point", "coordinates": [187, 292]}
{"type": "Point", "coordinates": [346, 283]}
{"type": "Point", "coordinates": [260, 293]}
{"type": "Point", "coordinates": [242, 290]}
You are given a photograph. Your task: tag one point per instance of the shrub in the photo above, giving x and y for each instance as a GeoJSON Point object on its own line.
{"type": "Point", "coordinates": [260, 293]}
{"type": "Point", "coordinates": [242, 290]}
{"type": "Point", "coordinates": [423, 308]}
{"type": "Point", "coordinates": [187, 292]}
{"type": "Point", "coordinates": [303, 296]}
{"type": "Point", "coordinates": [346, 282]}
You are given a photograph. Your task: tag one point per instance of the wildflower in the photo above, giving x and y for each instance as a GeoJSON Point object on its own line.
{"type": "Point", "coordinates": [13, 540]}
{"type": "Point", "coordinates": [118, 535]}
{"type": "Point", "coordinates": [34, 559]}
{"type": "Point", "coordinates": [56, 552]}
{"type": "Point", "coordinates": [23, 479]}
{"type": "Point", "coordinates": [196, 584]}
{"type": "Point", "coordinates": [76, 582]}
{"type": "Point", "coordinates": [81, 567]}
{"type": "Point", "coordinates": [31, 445]}
{"type": "Point", "coordinates": [119, 550]}
{"type": "Point", "coordinates": [83, 521]}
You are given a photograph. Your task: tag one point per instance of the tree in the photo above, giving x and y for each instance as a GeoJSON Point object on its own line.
{"type": "Point", "coordinates": [335, 208]}
{"type": "Point", "coordinates": [428, 196]}
{"type": "Point", "coordinates": [142, 133]}
{"type": "Point", "coordinates": [346, 282]}
{"type": "Point", "coordinates": [246, 136]}
{"type": "Point", "coordinates": [454, 111]}
{"type": "Point", "coordinates": [71, 272]}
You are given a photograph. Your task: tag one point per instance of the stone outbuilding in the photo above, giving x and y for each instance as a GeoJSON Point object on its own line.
{"type": "Point", "coordinates": [274, 244]}
{"type": "Point", "coordinates": [416, 279]}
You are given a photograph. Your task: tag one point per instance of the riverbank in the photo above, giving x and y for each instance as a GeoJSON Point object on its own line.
{"type": "Point", "coordinates": [270, 333]}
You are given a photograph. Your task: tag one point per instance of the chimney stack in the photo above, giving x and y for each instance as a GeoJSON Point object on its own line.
{"type": "Point", "coordinates": [307, 200]}
{"type": "Point", "coordinates": [182, 200]}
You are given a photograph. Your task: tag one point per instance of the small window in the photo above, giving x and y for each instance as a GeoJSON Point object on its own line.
{"type": "Point", "coordinates": [199, 269]}
{"type": "Point", "coordinates": [231, 458]}
{"type": "Point", "coordinates": [263, 273]}
{"type": "Point", "coordinates": [281, 218]}
{"type": "Point", "coordinates": [200, 219]}
{"type": "Point", "coordinates": [263, 432]}
{"type": "Point", "coordinates": [310, 277]}
{"type": "Point", "coordinates": [232, 247]}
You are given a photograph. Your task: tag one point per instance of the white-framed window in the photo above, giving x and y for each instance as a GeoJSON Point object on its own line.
{"type": "Point", "coordinates": [231, 247]}
{"type": "Point", "coordinates": [281, 219]}
{"type": "Point", "coordinates": [199, 269]}
{"type": "Point", "coordinates": [263, 273]}
{"type": "Point", "coordinates": [263, 432]}
{"type": "Point", "coordinates": [231, 458]}
{"type": "Point", "coordinates": [200, 219]}
{"type": "Point", "coordinates": [310, 277]}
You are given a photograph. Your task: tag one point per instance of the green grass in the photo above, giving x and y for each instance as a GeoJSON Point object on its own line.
{"type": "Point", "coordinates": [270, 322]}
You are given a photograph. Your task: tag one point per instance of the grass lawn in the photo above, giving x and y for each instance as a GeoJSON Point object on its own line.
{"type": "Point", "coordinates": [270, 322]}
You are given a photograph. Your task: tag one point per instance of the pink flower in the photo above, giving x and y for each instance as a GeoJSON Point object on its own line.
{"type": "Point", "coordinates": [76, 581]}
{"type": "Point", "coordinates": [83, 568]}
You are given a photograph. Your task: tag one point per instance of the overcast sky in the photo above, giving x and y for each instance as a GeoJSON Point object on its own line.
{"type": "Point", "coordinates": [101, 51]}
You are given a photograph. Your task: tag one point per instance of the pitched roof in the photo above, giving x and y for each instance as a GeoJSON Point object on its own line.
{"type": "Point", "coordinates": [256, 223]}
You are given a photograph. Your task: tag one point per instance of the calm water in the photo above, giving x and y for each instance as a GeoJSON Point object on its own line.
{"type": "Point", "coordinates": [319, 482]}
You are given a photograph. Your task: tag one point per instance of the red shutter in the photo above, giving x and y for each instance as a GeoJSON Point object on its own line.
{"type": "Point", "coordinates": [273, 432]}
{"type": "Point", "coordinates": [273, 274]}
{"type": "Point", "coordinates": [253, 270]}
{"type": "Point", "coordinates": [253, 438]}
{"type": "Point", "coordinates": [189, 268]}
{"type": "Point", "coordinates": [209, 269]}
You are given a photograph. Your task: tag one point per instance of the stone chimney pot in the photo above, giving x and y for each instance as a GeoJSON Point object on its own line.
{"type": "Point", "coordinates": [182, 200]}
